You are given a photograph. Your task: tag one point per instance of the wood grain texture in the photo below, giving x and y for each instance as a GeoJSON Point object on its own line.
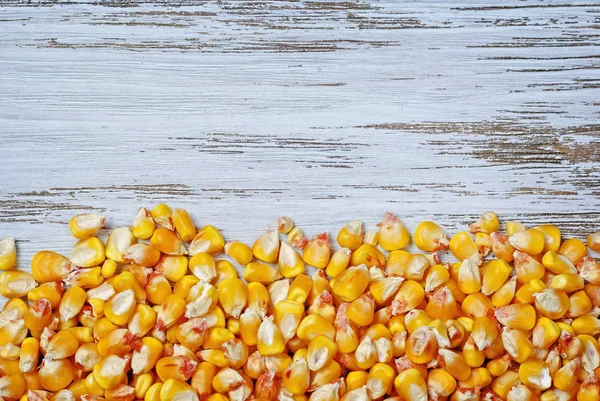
{"type": "Point", "coordinates": [325, 111]}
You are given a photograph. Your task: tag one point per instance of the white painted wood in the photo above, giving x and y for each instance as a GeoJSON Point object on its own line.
{"type": "Point", "coordinates": [326, 111]}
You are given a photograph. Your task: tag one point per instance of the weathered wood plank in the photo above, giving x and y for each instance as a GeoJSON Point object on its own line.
{"type": "Point", "coordinates": [325, 111]}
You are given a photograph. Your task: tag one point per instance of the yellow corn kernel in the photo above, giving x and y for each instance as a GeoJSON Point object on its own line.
{"type": "Point", "coordinates": [120, 308]}
{"type": "Point", "coordinates": [408, 297]}
{"type": "Point", "coordinates": [266, 247]}
{"type": "Point", "coordinates": [456, 332]}
{"type": "Point", "coordinates": [339, 262]}
{"type": "Point", "coordinates": [170, 311]}
{"type": "Point", "coordinates": [590, 389]}
{"type": "Point", "coordinates": [586, 325]}
{"type": "Point", "coordinates": [142, 321]}
{"type": "Point", "coordinates": [517, 344]}
{"type": "Point", "coordinates": [397, 262]}
{"type": "Point", "coordinates": [39, 315]}
{"type": "Point", "coordinates": [269, 338]}
{"type": "Point", "coordinates": [88, 252]}
{"type": "Point", "coordinates": [421, 345]}
{"type": "Point", "coordinates": [239, 251]}
{"type": "Point", "coordinates": [416, 318]}
{"type": "Point", "coordinates": [579, 304]}
{"type": "Point", "coordinates": [203, 266]}
{"type": "Point", "coordinates": [361, 310]}
{"type": "Point", "coordinates": [410, 385]}
{"type": "Point", "coordinates": [545, 333]}
{"type": "Point", "coordinates": [392, 233]}
{"type": "Point", "coordinates": [173, 389]}
{"type": "Point", "coordinates": [368, 255]}
{"type": "Point", "coordinates": [476, 305]}
{"type": "Point", "coordinates": [288, 315]}
{"type": "Point", "coordinates": [495, 274]}
{"type": "Point", "coordinates": [153, 393]}
{"type": "Point", "coordinates": [202, 379]}
{"type": "Point", "coordinates": [147, 355]}
{"type": "Point", "coordinates": [351, 283]}
{"type": "Point", "coordinates": [175, 367]}
{"type": "Point", "coordinates": [118, 242]}
{"type": "Point", "coordinates": [384, 289]}
{"type": "Point", "coordinates": [497, 367]}
{"type": "Point", "coordinates": [455, 364]}
{"type": "Point", "coordinates": [473, 355]}
{"type": "Point", "coordinates": [300, 288]}
{"type": "Point", "coordinates": [16, 283]}
{"type": "Point", "coordinates": [78, 388]}
{"type": "Point", "coordinates": [557, 263]}
{"type": "Point", "coordinates": [55, 375]}
{"type": "Point", "coordinates": [143, 225]}
{"type": "Point", "coordinates": [441, 304]}
{"type": "Point", "coordinates": [226, 380]}
{"type": "Point", "coordinates": [157, 289]}
{"type": "Point", "coordinates": [216, 336]}
{"type": "Point", "coordinates": [479, 378]}
{"type": "Point", "coordinates": [487, 223]}
{"type": "Point", "coordinates": [563, 379]}
{"type": "Point", "coordinates": [110, 372]}
{"type": "Point", "coordinates": [530, 241]}
{"type": "Point", "coordinates": [462, 245]}
{"type": "Point", "coordinates": [535, 374]}
{"type": "Point", "coordinates": [92, 387]}
{"type": "Point", "coordinates": [262, 273]}
{"type": "Point", "coordinates": [142, 254]}
{"type": "Point", "coordinates": [85, 278]}
{"type": "Point", "coordinates": [366, 354]}
{"type": "Point", "coordinates": [184, 224]}
{"type": "Point", "coordinates": [440, 383]}
{"type": "Point", "coordinates": [484, 332]}
{"type": "Point", "coordinates": [430, 237]}
{"type": "Point", "coordinates": [551, 303]}
{"type": "Point", "coordinates": [505, 294]}
{"type": "Point", "coordinates": [513, 227]}
{"type": "Point", "coordinates": [589, 269]}
{"type": "Point", "coordinates": [29, 355]}
{"type": "Point", "coordinates": [183, 286]}
{"type": "Point", "coordinates": [525, 293]}
{"type": "Point", "coordinates": [52, 291]}
{"type": "Point", "coordinates": [567, 282]}
{"type": "Point", "coordinates": [502, 384]}
{"type": "Point", "coordinates": [166, 241]}
{"type": "Point", "coordinates": [71, 303]}
{"type": "Point", "coordinates": [108, 269]}
{"type": "Point", "coordinates": [593, 241]}
{"type": "Point", "coordinates": [8, 254]}
{"type": "Point", "coordinates": [258, 298]}
{"type": "Point", "coordinates": [378, 381]}
{"type": "Point", "coordinates": [436, 275]}
{"type": "Point", "coordinates": [289, 261]}
{"type": "Point", "coordinates": [574, 249]}
{"type": "Point", "coordinates": [516, 316]}
{"type": "Point", "coordinates": [127, 281]}
{"type": "Point", "coordinates": [314, 325]}
{"type": "Point", "coordinates": [141, 384]}
{"type": "Point", "coordinates": [208, 240]}
{"type": "Point", "coordinates": [12, 387]}
{"type": "Point", "coordinates": [87, 356]}
{"type": "Point", "coordinates": [62, 345]}
{"type": "Point", "coordinates": [85, 225]}
{"type": "Point", "coordinates": [351, 235]}
{"type": "Point", "coordinates": [501, 247]}
{"type": "Point", "coordinates": [233, 295]}
{"type": "Point", "coordinates": [321, 351]}
{"type": "Point", "coordinates": [469, 276]}
{"type": "Point", "coordinates": [284, 224]}
{"type": "Point", "coordinates": [484, 243]}
{"type": "Point", "coordinates": [551, 237]}
{"type": "Point", "coordinates": [416, 267]}
{"type": "Point", "coordinates": [317, 252]}
{"type": "Point", "coordinates": [296, 238]}
{"type": "Point", "coordinates": [162, 215]}
{"type": "Point", "coordinates": [357, 379]}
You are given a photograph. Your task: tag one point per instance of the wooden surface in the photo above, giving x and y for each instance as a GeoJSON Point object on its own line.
{"type": "Point", "coordinates": [325, 111]}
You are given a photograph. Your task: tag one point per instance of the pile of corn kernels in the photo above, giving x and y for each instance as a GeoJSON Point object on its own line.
{"type": "Point", "coordinates": [158, 313]}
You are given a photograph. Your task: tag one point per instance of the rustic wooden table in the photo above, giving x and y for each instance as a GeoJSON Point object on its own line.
{"type": "Point", "coordinates": [325, 111]}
